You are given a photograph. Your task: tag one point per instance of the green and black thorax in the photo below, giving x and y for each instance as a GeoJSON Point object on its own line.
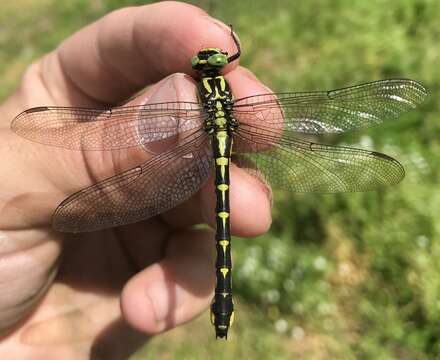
{"type": "Point", "coordinates": [214, 90]}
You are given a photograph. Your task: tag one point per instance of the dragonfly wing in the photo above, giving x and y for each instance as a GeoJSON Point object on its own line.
{"type": "Point", "coordinates": [301, 166]}
{"type": "Point", "coordinates": [107, 129]}
{"type": "Point", "coordinates": [144, 191]}
{"type": "Point", "coordinates": [332, 111]}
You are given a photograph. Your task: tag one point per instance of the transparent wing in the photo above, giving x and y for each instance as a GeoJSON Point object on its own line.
{"type": "Point", "coordinates": [146, 190]}
{"type": "Point", "coordinates": [332, 111]}
{"type": "Point", "coordinates": [107, 129]}
{"type": "Point", "coordinates": [295, 165]}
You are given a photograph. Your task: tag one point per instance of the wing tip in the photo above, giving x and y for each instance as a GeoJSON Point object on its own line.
{"type": "Point", "coordinates": [399, 174]}
{"type": "Point", "coordinates": [15, 123]}
{"type": "Point", "coordinates": [36, 109]}
{"type": "Point", "coordinates": [419, 87]}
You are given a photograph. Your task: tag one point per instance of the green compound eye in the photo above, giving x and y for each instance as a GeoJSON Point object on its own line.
{"type": "Point", "coordinates": [195, 61]}
{"type": "Point", "coordinates": [217, 60]}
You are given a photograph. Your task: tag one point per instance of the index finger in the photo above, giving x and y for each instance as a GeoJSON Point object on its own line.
{"type": "Point", "coordinates": [130, 48]}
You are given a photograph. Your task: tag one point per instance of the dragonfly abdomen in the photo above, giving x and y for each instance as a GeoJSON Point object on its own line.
{"type": "Point", "coordinates": [216, 96]}
{"type": "Point", "coordinates": [222, 307]}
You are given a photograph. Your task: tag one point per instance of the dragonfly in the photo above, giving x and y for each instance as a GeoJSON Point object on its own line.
{"type": "Point", "coordinates": [262, 134]}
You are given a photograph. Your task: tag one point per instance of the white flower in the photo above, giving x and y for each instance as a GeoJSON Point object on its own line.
{"type": "Point", "coordinates": [326, 308]}
{"type": "Point", "coordinates": [289, 284]}
{"type": "Point", "coordinates": [320, 263]}
{"type": "Point", "coordinates": [298, 308]}
{"type": "Point", "coordinates": [422, 241]}
{"type": "Point", "coordinates": [272, 296]}
{"type": "Point", "coordinates": [249, 267]}
{"type": "Point", "coordinates": [281, 326]}
{"type": "Point", "coordinates": [298, 333]}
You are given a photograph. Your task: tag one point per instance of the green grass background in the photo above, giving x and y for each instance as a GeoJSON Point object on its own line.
{"type": "Point", "coordinates": [348, 276]}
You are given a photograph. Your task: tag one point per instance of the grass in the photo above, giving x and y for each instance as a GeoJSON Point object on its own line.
{"type": "Point", "coordinates": [343, 276]}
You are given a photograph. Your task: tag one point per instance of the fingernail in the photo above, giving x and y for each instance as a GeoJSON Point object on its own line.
{"type": "Point", "coordinates": [164, 91]}
{"type": "Point", "coordinates": [176, 87]}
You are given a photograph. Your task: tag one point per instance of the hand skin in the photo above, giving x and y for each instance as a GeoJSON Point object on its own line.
{"type": "Point", "coordinates": [100, 294]}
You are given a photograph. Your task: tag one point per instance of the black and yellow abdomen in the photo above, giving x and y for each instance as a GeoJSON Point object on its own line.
{"type": "Point", "coordinates": [216, 95]}
{"type": "Point", "coordinates": [222, 306]}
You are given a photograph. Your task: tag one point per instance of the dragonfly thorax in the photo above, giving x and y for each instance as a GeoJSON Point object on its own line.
{"type": "Point", "coordinates": [216, 95]}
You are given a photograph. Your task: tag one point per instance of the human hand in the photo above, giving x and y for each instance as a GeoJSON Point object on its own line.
{"type": "Point", "coordinates": [76, 296]}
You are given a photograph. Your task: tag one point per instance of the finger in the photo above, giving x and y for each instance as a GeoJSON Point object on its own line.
{"type": "Point", "coordinates": [130, 48]}
{"type": "Point", "coordinates": [250, 203]}
{"type": "Point", "coordinates": [250, 198]}
{"type": "Point", "coordinates": [175, 290]}
{"type": "Point", "coordinates": [144, 242]}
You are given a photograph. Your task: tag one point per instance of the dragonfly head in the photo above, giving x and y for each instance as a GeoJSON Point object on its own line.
{"type": "Point", "coordinates": [209, 59]}
{"type": "Point", "coordinates": [213, 59]}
